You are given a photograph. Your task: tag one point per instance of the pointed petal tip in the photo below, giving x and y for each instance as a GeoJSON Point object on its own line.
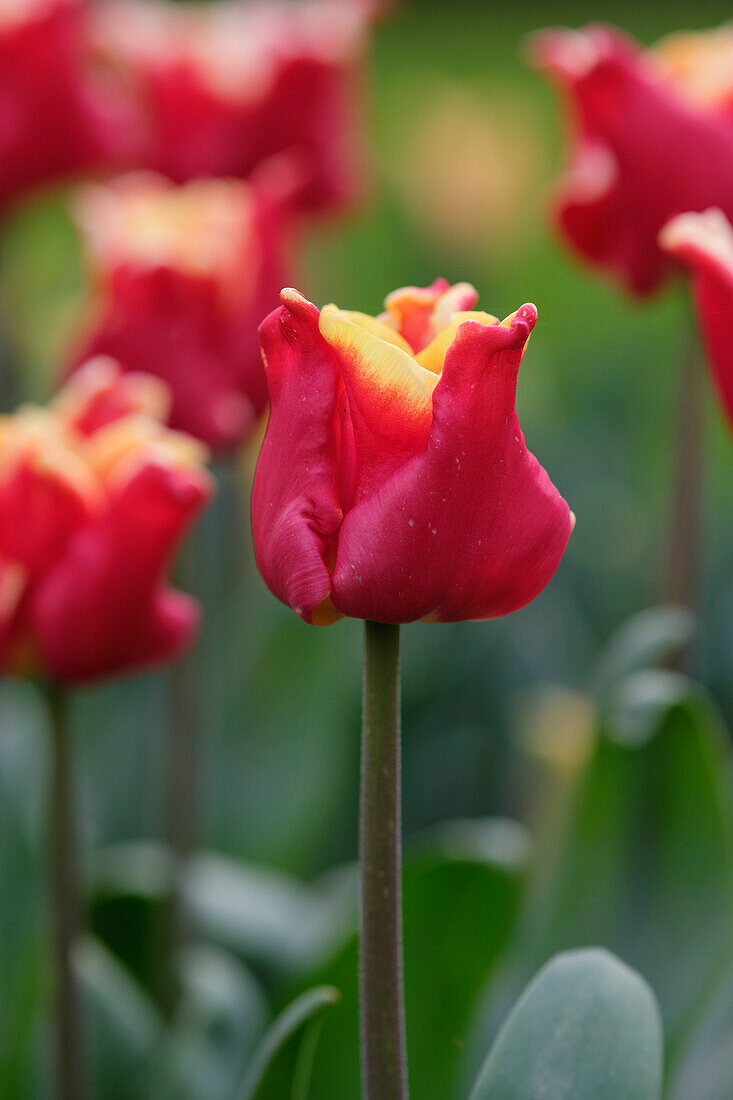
{"type": "Point", "coordinates": [525, 317]}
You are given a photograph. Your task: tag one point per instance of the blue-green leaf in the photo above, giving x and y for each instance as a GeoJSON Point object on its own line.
{"type": "Point", "coordinates": [587, 1028]}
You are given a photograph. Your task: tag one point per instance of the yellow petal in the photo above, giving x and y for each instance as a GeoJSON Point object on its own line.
{"type": "Point", "coordinates": [373, 325]}
{"type": "Point", "coordinates": [433, 356]}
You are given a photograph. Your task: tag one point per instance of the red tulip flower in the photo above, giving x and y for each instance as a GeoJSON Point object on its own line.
{"type": "Point", "coordinates": [227, 85]}
{"type": "Point", "coordinates": [183, 274]}
{"type": "Point", "coordinates": [652, 138]}
{"type": "Point", "coordinates": [56, 118]}
{"type": "Point", "coordinates": [394, 483]}
{"type": "Point", "coordinates": [95, 496]}
{"type": "Point", "coordinates": [704, 242]}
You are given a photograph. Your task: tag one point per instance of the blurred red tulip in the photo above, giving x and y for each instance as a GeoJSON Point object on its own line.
{"type": "Point", "coordinates": [95, 495]}
{"type": "Point", "coordinates": [704, 242]}
{"type": "Point", "coordinates": [653, 137]}
{"type": "Point", "coordinates": [226, 85]}
{"type": "Point", "coordinates": [184, 273]}
{"type": "Point", "coordinates": [394, 483]}
{"type": "Point", "coordinates": [57, 118]}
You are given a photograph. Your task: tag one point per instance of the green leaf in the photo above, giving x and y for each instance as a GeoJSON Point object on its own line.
{"type": "Point", "coordinates": [703, 1068]}
{"type": "Point", "coordinates": [461, 896]}
{"type": "Point", "coordinates": [123, 1024]}
{"type": "Point", "coordinates": [304, 1011]}
{"type": "Point", "coordinates": [643, 861]}
{"type": "Point", "coordinates": [587, 1027]}
{"type": "Point", "coordinates": [24, 949]}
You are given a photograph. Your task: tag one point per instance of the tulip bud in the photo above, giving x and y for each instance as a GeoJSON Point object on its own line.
{"type": "Point", "coordinates": [394, 483]}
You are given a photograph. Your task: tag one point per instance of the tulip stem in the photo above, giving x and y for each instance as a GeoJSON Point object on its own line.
{"type": "Point", "coordinates": [685, 534]}
{"type": "Point", "coordinates": [65, 886]}
{"type": "Point", "coordinates": [384, 1061]}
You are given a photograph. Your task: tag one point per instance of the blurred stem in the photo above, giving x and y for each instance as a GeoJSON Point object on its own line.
{"type": "Point", "coordinates": [69, 1060]}
{"type": "Point", "coordinates": [181, 790]}
{"type": "Point", "coordinates": [685, 525]}
{"type": "Point", "coordinates": [384, 1060]}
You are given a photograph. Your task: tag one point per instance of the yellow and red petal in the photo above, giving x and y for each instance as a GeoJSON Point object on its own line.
{"type": "Point", "coordinates": [419, 313]}
{"type": "Point", "coordinates": [391, 390]}
{"type": "Point", "coordinates": [47, 490]}
{"type": "Point", "coordinates": [100, 392]}
{"type": "Point", "coordinates": [103, 608]}
{"type": "Point", "coordinates": [472, 527]}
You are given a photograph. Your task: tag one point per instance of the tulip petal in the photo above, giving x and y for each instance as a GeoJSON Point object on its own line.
{"type": "Point", "coordinates": [705, 243]}
{"type": "Point", "coordinates": [390, 388]}
{"type": "Point", "coordinates": [46, 490]}
{"type": "Point", "coordinates": [99, 393]}
{"type": "Point", "coordinates": [101, 609]}
{"type": "Point", "coordinates": [295, 500]}
{"type": "Point", "coordinates": [13, 581]}
{"type": "Point", "coordinates": [472, 527]}
{"type": "Point", "coordinates": [432, 357]}
{"type": "Point", "coordinates": [419, 313]}
{"type": "Point", "coordinates": [388, 404]}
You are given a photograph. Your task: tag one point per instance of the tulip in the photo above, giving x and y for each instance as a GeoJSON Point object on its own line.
{"type": "Point", "coordinates": [182, 275]}
{"type": "Point", "coordinates": [394, 484]}
{"type": "Point", "coordinates": [704, 242]}
{"type": "Point", "coordinates": [94, 497]}
{"type": "Point", "coordinates": [56, 118]}
{"type": "Point", "coordinates": [227, 85]}
{"type": "Point", "coordinates": [652, 138]}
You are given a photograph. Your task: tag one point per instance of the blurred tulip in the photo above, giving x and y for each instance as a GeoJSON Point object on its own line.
{"type": "Point", "coordinates": [184, 273]}
{"type": "Point", "coordinates": [95, 495]}
{"type": "Point", "coordinates": [394, 483]}
{"type": "Point", "coordinates": [57, 117]}
{"type": "Point", "coordinates": [653, 137]}
{"type": "Point", "coordinates": [704, 242]}
{"type": "Point", "coordinates": [228, 84]}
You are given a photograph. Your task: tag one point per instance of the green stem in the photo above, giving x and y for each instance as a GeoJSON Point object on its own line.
{"type": "Point", "coordinates": [384, 1061]}
{"type": "Point", "coordinates": [69, 1061]}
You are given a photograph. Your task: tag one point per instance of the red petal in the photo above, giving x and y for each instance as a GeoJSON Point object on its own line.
{"type": "Point", "coordinates": [295, 500]}
{"type": "Point", "coordinates": [105, 608]}
{"type": "Point", "coordinates": [705, 243]}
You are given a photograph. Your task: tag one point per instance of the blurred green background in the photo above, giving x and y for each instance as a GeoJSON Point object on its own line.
{"type": "Point", "coordinates": [629, 838]}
